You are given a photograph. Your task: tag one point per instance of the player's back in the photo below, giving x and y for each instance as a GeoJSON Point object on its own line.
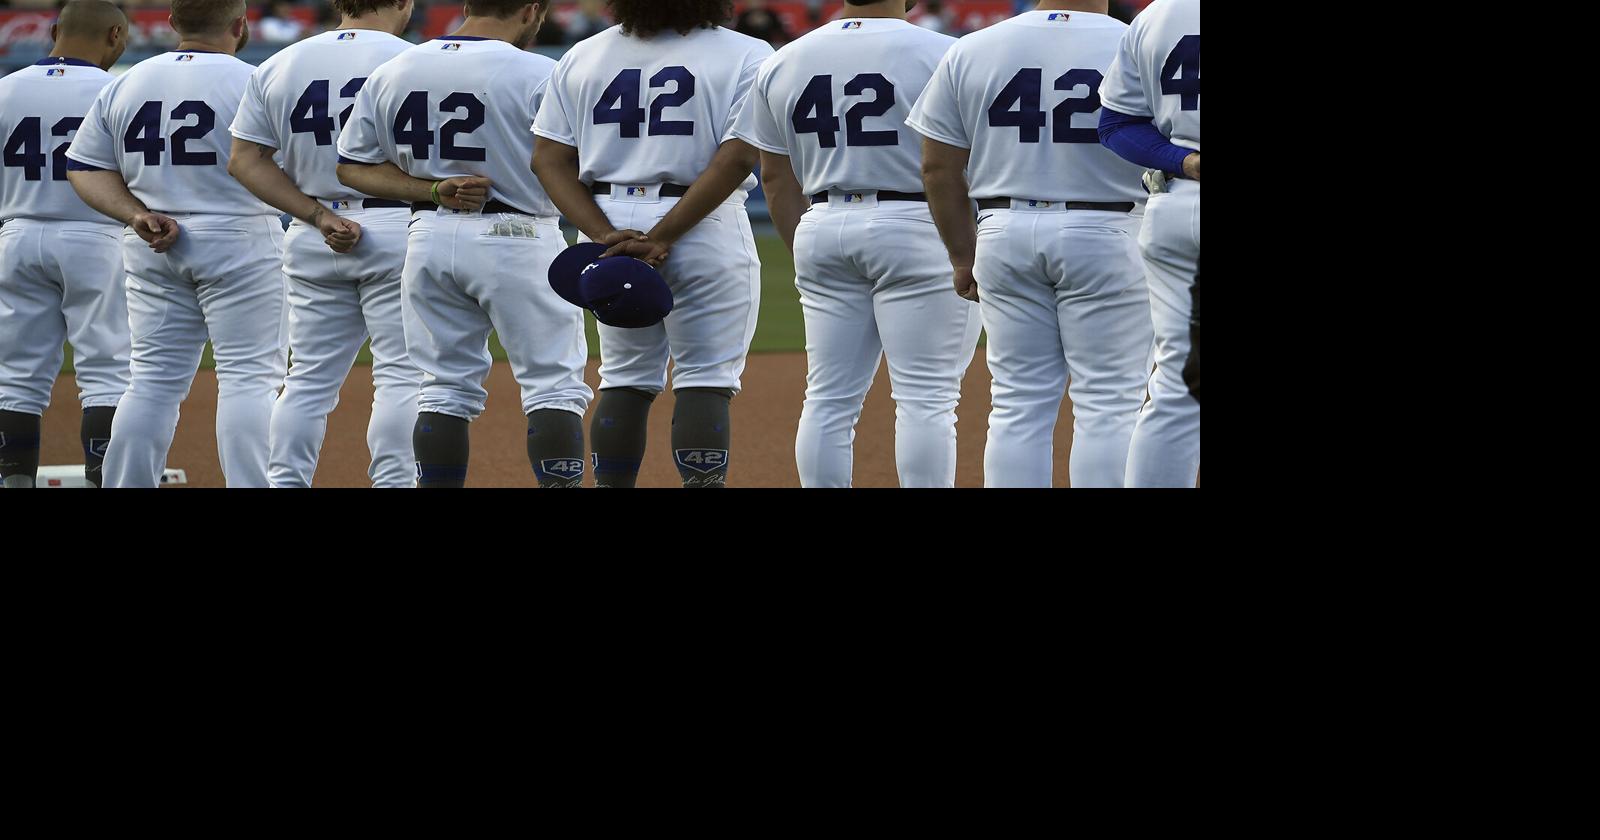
{"type": "Point", "coordinates": [456, 106]}
{"type": "Point", "coordinates": [839, 98]}
{"type": "Point", "coordinates": [43, 106]}
{"type": "Point", "coordinates": [299, 98]}
{"type": "Point", "coordinates": [1163, 49]}
{"type": "Point", "coordinates": [651, 110]}
{"type": "Point", "coordinates": [1023, 96]}
{"type": "Point", "coordinates": [164, 126]}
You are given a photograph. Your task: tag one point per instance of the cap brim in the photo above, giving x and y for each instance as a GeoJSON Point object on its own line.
{"type": "Point", "coordinates": [566, 271]}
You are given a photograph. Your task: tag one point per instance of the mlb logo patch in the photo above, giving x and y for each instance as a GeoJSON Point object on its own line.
{"type": "Point", "coordinates": [56, 71]}
{"type": "Point", "coordinates": [186, 57]}
{"type": "Point", "coordinates": [856, 198]}
{"type": "Point", "coordinates": [1058, 16]}
{"type": "Point", "coordinates": [637, 192]}
{"type": "Point", "coordinates": [347, 36]}
{"type": "Point", "coordinates": [340, 205]}
{"type": "Point", "coordinates": [1042, 205]}
{"type": "Point", "coordinates": [451, 47]}
{"type": "Point", "coordinates": [852, 24]}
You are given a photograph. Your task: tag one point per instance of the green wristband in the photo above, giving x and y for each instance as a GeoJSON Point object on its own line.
{"type": "Point", "coordinates": [435, 192]}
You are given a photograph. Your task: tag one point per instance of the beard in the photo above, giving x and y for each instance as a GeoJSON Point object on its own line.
{"type": "Point", "coordinates": [911, 4]}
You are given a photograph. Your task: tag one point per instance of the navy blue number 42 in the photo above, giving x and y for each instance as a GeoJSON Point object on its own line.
{"type": "Point", "coordinates": [1181, 74]}
{"type": "Point", "coordinates": [622, 105]}
{"type": "Point", "coordinates": [310, 114]}
{"type": "Point", "coordinates": [1019, 105]}
{"type": "Point", "coordinates": [144, 133]}
{"type": "Point", "coordinates": [411, 126]}
{"type": "Point", "coordinates": [813, 113]}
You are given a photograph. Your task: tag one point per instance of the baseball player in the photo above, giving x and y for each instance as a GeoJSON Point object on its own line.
{"type": "Point", "coordinates": [1054, 250]}
{"type": "Point", "coordinates": [344, 252]}
{"type": "Point", "coordinates": [828, 114]}
{"type": "Point", "coordinates": [201, 252]}
{"type": "Point", "coordinates": [634, 115]}
{"type": "Point", "coordinates": [60, 262]}
{"type": "Point", "coordinates": [444, 125]}
{"type": "Point", "coordinates": [1152, 118]}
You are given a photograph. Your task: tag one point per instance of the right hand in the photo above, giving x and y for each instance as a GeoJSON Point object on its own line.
{"type": "Point", "coordinates": [619, 236]}
{"type": "Point", "coordinates": [1191, 166]}
{"type": "Point", "coordinates": [338, 233]}
{"type": "Point", "coordinates": [158, 230]}
{"type": "Point", "coordinates": [966, 284]}
{"type": "Point", "coordinates": [465, 193]}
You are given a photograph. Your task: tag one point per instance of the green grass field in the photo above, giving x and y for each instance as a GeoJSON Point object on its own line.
{"type": "Point", "coordinates": [779, 329]}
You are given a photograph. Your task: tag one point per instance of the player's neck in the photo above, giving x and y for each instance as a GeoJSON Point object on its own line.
{"type": "Point", "coordinates": [488, 27]}
{"type": "Point", "coordinates": [226, 45]}
{"type": "Point", "coordinates": [883, 9]}
{"type": "Point", "coordinates": [374, 22]}
{"type": "Point", "coordinates": [81, 52]}
{"type": "Point", "coordinates": [1098, 7]}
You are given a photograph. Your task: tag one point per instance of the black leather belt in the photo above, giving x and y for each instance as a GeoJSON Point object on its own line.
{"type": "Point", "coordinates": [1109, 206]}
{"type": "Point", "coordinates": [667, 190]}
{"type": "Point", "coordinates": [491, 207]}
{"type": "Point", "coordinates": [367, 203]}
{"type": "Point", "coordinates": [883, 195]}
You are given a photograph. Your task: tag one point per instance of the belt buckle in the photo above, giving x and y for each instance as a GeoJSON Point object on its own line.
{"type": "Point", "coordinates": [854, 200]}
{"type": "Point", "coordinates": [638, 193]}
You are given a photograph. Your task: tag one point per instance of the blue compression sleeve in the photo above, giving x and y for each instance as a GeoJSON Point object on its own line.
{"type": "Point", "coordinates": [1136, 139]}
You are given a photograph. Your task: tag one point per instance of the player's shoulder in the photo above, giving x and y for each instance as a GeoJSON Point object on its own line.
{"type": "Point", "coordinates": [728, 42]}
{"type": "Point", "coordinates": [598, 42]}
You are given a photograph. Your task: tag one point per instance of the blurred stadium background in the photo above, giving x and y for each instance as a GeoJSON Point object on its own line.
{"type": "Point", "coordinates": [25, 24]}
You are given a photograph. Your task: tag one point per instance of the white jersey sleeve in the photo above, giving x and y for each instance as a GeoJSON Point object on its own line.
{"type": "Point", "coordinates": [44, 107]}
{"type": "Point", "coordinates": [298, 99]}
{"type": "Point", "coordinates": [649, 110]}
{"type": "Point", "coordinates": [1022, 96]}
{"type": "Point", "coordinates": [1156, 72]}
{"type": "Point", "coordinates": [836, 102]}
{"type": "Point", "coordinates": [163, 126]}
{"type": "Point", "coordinates": [937, 113]}
{"type": "Point", "coordinates": [453, 107]}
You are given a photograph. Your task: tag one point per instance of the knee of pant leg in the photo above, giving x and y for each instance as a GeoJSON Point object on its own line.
{"type": "Point", "coordinates": [925, 412]}
{"type": "Point", "coordinates": [831, 413]}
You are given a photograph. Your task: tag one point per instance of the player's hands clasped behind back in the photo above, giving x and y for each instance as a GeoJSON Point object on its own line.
{"type": "Point", "coordinates": [158, 230]}
{"type": "Point", "coordinates": [338, 233]}
{"type": "Point", "coordinates": [632, 243]}
{"type": "Point", "coordinates": [464, 193]}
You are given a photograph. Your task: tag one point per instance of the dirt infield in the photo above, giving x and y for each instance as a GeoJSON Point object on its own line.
{"type": "Point", "coordinates": [765, 416]}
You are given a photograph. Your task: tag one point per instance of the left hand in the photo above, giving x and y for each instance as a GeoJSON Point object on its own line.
{"type": "Point", "coordinates": [338, 233]}
{"type": "Point", "coordinates": [651, 251]}
{"type": "Point", "coordinates": [966, 284]}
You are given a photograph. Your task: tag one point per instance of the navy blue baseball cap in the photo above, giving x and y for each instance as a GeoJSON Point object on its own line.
{"type": "Point", "coordinates": [620, 291]}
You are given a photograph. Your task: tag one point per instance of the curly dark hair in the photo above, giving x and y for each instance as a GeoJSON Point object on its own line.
{"type": "Point", "coordinates": [647, 17]}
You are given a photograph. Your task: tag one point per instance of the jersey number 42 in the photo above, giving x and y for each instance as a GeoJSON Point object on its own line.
{"type": "Point", "coordinates": [622, 102]}
{"type": "Point", "coordinates": [25, 148]}
{"type": "Point", "coordinates": [1018, 106]}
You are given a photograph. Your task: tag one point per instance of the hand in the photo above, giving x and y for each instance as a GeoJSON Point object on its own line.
{"type": "Point", "coordinates": [338, 233]}
{"type": "Point", "coordinates": [966, 284]}
{"type": "Point", "coordinates": [644, 248]}
{"type": "Point", "coordinates": [465, 193]}
{"type": "Point", "coordinates": [617, 236]}
{"type": "Point", "coordinates": [158, 230]}
{"type": "Point", "coordinates": [1191, 166]}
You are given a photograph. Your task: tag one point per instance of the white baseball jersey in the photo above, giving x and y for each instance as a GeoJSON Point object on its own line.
{"type": "Point", "coordinates": [44, 105]}
{"type": "Point", "coordinates": [1023, 96]}
{"type": "Point", "coordinates": [163, 125]}
{"type": "Point", "coordinates": [836, 101]}
{"type": "Point", "coordinates": [1157, 71]}
{"type": "Point", "coordinates": [650, 111]}
{"type": "Point", "coordinates": [455, 106]}
{"type": "Point", "coordinates": [298, 99]}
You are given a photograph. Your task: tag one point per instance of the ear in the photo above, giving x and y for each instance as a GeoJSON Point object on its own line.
{"type": "Point", "coordinates": [239, 26]}
{"type": "Point", "coordinates": [54, 28]}
{"type": "Point", "coordinates": [114, 35]}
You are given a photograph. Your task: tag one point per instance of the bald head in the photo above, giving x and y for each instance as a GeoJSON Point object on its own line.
{"type": "Point", "coordinates": [92, 30]}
